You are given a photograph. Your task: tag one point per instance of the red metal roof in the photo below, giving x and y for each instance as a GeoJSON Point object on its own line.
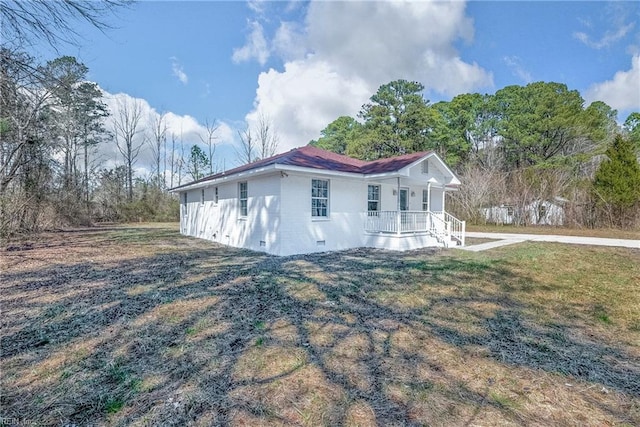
{"type": "Point", "coordinates": [317, 158]}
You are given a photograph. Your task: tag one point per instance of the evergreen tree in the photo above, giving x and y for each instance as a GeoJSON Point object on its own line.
{"type": "Point", "coordinates": [632, 128]}
{"type": "Point", "coordinates": [338, 135]}
{"type": "Point", "coordinates": [198, 163]}
{"type": "Point", "coordinates": [617, 183]}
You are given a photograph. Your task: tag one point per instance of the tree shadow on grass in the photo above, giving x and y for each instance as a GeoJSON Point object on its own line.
{"type": "Point", "coordinates": [222, 336]}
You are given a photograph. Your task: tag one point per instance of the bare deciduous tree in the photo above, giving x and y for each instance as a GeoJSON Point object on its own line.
{"type": "Point", "coordinates": [156, 143]}
{"type": "Point", "coordinates": [482, 188]}
{"type": "Point", "coordinates": [209, 141]}
{"type": "Point", "coordinates": [180, 161]}
{"type": "Point", "coordinates": [267, 137]}
{"type": "Point", "coordinates": [173, 158]}
{"type": "Point", "coordinates": [246, 153]}
{"type": "Point", "coordinates": [25, 22]}
{"type": "Point", "coordinates": [21, 103]}
{"type": "Point", "coordinates": [259, 143]}
{"type": "Point", "coordinates": [125, 126]}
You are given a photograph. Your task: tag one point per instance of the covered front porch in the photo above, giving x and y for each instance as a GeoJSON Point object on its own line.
{"type": "Point", "coordinates": [441, 225]}
{"type": "Point", "coordinates": [408, 210]}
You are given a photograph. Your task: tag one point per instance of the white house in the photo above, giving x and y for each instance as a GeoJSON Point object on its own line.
{"type": "Point", "coordinates": [538, 212]}
{"type": "Point", "coordinates": [312, 200]}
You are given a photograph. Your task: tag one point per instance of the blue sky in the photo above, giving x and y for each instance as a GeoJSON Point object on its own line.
{"type": "Point", "coordinates": [303, 64]}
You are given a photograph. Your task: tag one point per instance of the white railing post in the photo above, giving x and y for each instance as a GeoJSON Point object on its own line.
{"type": "Point", "coordinates": [464, 226]}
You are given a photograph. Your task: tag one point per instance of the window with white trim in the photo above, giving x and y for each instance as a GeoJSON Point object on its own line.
{"type": "Point", "coordinates": [373, 198]}
{"type": "Point", "coordinates": [202, 196]}
{"type": "Point", "coordinates": [215, 195]}
{"type": "Point", "coordinates": [425, 200]}
{"type": "Point", "coordinates": [242, 196]}
{"type": "Point", "coordinates": [319, 198]}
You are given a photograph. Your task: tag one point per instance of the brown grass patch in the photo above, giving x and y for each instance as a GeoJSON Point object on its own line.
{"type": "Point", "coordinates": [137, 325]}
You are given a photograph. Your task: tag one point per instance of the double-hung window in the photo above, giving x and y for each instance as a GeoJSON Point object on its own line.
{"type": "Point", "coordinates": [242, 196]}
{"type": "Point", "coordinates": [373, 198]}
{"type": "Point", "coordinates": [319, 198]}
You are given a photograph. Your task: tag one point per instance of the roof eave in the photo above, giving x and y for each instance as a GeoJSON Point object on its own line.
{"type": "Point", "coordinates": [316, 171]}
{"type": "Point", "coordinates": [225, 178]}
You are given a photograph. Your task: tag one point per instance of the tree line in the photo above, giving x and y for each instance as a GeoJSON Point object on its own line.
{"type": "Point", "coordinates": [52, 122]}
{"type": "Point", "coordinates": [513, 147]}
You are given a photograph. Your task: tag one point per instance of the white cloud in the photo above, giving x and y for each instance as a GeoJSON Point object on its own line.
{"type": "Point", "coordinates": [304, 98]}
{"type": "Point", "coordinates": [515, 64]}
{"type": "Point", "coordinates": [288, 41]}
{"type": "Point", "coordinates": [185, 129]}
{"type": "Point", "coordinates": [615, 19]}
{"type": "Point", "coordinates": [622, 92]}
{"type": "Point", "coordinates": [178, 70]}
{"type": "Point", "coordinates": [608, 38]}
{"type": "Point", "coordinates": [383, 41]}
{"type": "Point", "coordinates": [258, 6]}
{"type": "Point", "coordinates": [255, 47]}
{"type": "Point", "coordinates": [348, 49]}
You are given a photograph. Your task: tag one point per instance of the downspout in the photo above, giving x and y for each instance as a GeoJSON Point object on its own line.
{"type": "Point", "coordinates": [398, 219]}
{"type": "Point", "coordinates": [430, 223]}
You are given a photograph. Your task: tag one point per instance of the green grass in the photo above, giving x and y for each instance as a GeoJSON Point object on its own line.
{"type": "Point", "coordinates": [564, 231]}
{"type": "Point", "coordinates": [113, 405]}
{"type": "Point", "coordinates": [138, 325]}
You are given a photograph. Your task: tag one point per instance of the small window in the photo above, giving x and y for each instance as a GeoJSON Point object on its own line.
{"type": "Point", "coordinates": [242, 190]}
{"type": "Point", "coordinates": [215, 195]}
{"type": "Point", "coordinates": [319, 198]}
{"type": "Point", "coordinates": [373, 198]}
{"type": "Point", "coordinates": [509, 210]}
{"type": "Point", "coordinates": [542, 211]}
{"type": "Point", "coordinates": [425, 167]}
{"type": "Point", "coordinates": [184, 203]}
{"type": "Point", "coordinates": [202, 196]}
{"type": "Point", "coordinates": [425, 200]}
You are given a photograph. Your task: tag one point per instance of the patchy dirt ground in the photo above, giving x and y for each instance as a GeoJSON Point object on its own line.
{"type": "Point", "coordinates": [137, 325]}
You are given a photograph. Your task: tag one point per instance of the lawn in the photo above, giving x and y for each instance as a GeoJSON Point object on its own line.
{"type": "Point", "coordinates": [137, 325]}
{"type": "Point", "coordinates": [542, 229]}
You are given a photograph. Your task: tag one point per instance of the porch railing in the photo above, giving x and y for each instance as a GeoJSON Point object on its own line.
{"type": "Point", "coordinates": [442, 225]}
{"type": "Point", "coordinates": [456, 227]}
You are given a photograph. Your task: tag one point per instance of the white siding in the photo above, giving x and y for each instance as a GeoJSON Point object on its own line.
{"type": "Point", "coordinates": [222, 223]}
{"type": "Point", "coordinates": [279, 217]}
{"type": "Point", "coordinates": [401, 243]}
{"type": "Point", "coordinates": [344, 227]}
{"type": "Point", "coordinates": [436, 204]}
{"type": "Point", "coordinates": [415, 173]}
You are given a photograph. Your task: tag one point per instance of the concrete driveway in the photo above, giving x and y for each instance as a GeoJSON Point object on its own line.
{"type": "Point", "coordinates": [503, 239]}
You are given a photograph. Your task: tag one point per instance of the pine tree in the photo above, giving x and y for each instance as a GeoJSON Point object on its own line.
{"type": "Point", "coordinates": [617, 183]}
